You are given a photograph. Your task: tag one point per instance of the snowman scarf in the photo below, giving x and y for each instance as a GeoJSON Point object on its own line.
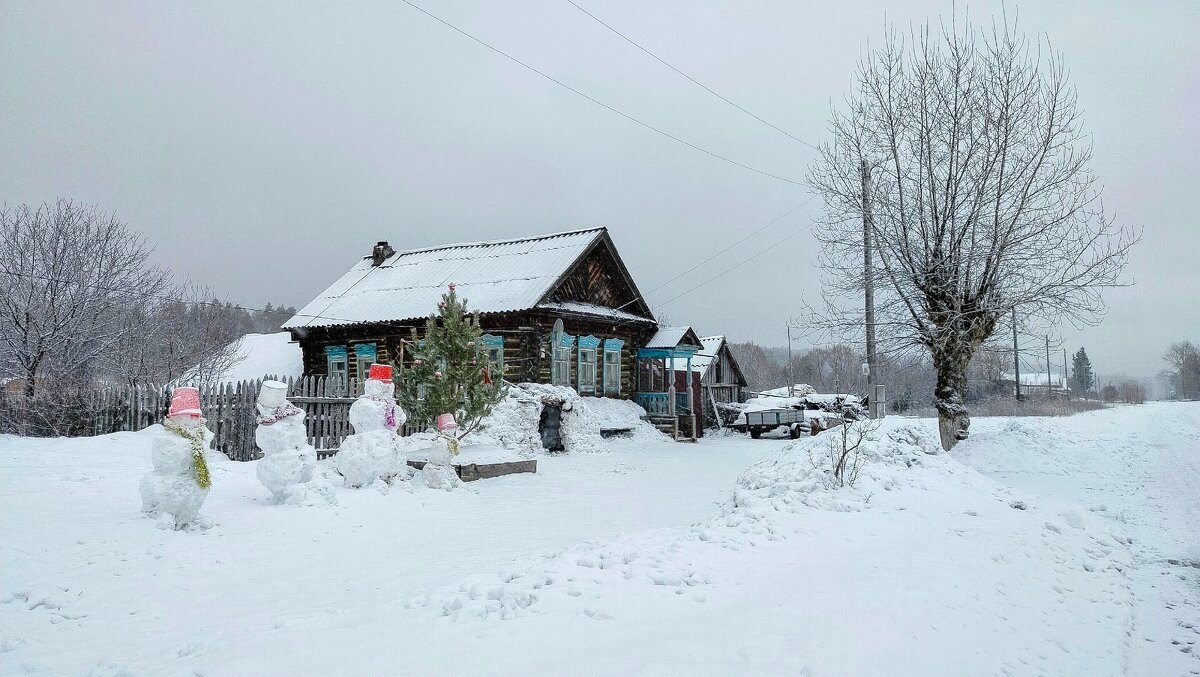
{"type": "Point", "coordinates": [196, 437]}
{"type": "Point", "coordinates": [389, 416]}
{"type": "Point", "coordinates": [278, 414]}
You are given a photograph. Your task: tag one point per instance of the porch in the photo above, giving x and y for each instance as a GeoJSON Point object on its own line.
{"type": "Point", "coordinates": [672, 406]}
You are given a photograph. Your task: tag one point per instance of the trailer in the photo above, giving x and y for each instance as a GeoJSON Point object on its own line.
{"type": "Point", "coordinates": [765, 420]}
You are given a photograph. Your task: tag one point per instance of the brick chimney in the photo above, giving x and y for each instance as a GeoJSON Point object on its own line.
{"type": "Point", "coordinates": [381, 253]}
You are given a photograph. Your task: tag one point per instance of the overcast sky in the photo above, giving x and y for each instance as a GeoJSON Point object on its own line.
{"type": "Point", "coordinates": [266, 147]}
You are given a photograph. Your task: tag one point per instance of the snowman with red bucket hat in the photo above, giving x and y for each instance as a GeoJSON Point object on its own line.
{"type": "Point", "coordinates": [375, 450]}
{"type": "Point", "coordinates": [176, 488]}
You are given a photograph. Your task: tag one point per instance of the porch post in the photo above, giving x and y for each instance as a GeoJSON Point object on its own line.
{"type": "Point", "coordinates": [671, 391]}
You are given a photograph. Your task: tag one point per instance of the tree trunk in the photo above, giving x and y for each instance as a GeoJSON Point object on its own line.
{"type": "Point", "coordinates": [30, 375]}
{"type": "Point", "coordinates": [953, 421]}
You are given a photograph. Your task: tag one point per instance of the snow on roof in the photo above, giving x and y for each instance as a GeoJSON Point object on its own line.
{"type": "Point", "coordinates": [702, 360]}
{"type": "Point", "coordinates": [671, 337]}
{"type": "Point", "coordinates": [1036, 379]}
{"type": "Point", "coordinates": [493, 276]}
{"type": "Point", "coordinates": [594, 310]}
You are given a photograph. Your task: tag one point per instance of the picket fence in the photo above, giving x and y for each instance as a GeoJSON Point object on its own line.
{"type": "Point", "coordinates": [230, 412]}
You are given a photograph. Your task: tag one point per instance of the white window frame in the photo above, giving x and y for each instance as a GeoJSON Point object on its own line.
{"type": "Point", "coordinates": [586, 371]}
{"type": "Point", "coordinates": [612, 366]}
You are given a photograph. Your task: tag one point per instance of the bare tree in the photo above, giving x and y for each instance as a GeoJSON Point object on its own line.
{"type": "Point", "coordinates": [66, 271]}
{"type": "Point", "coordinates": [981, 195]}
{"type": "Point", "coordinates": [1183, 375]}
{"type": "Point", "coordinates": [183, 335]}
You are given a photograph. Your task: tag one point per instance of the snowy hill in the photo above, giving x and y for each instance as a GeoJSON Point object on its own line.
{"type": "Point", "coordinates": [1040, 546]}
{"type": "Point", "coordinates": [261, 355]}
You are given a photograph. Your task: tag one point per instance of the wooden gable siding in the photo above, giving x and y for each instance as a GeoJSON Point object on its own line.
{"type": "Point", "coordinates": [598, 279]}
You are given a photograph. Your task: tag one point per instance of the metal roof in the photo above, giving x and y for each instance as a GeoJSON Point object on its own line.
{"type": "Point", "coordinates": [702, 360]}
{"type": "Point", "coordinates": [493, 277]}
{"type": "Point", "coordinates": [673, 337]}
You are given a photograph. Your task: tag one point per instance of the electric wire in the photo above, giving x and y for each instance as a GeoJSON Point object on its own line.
{"type": "Point", "coordinates": [694, 81]}
{"type": "Point", "coordinates": [596, 101]}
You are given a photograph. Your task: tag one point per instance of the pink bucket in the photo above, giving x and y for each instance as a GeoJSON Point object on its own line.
{"type": "Point", "coordinates": [446, 422]}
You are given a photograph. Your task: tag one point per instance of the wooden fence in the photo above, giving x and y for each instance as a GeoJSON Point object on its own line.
{"type": "Point", "coordinates": [230, 411]}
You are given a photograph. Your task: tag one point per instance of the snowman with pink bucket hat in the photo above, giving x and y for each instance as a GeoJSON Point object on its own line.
{"type": "Point", "coordinates": [375, 451]}
{"type": "Point", "coordinates": [177, 486]}
{"type": "Point", "coordinates": [439, 470]}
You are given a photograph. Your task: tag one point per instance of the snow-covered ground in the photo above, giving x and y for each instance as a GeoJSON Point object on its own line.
{"type": "Point", "coordinates": [730, 557]}
{"type": "Point", "coordinates": [1139, 468]}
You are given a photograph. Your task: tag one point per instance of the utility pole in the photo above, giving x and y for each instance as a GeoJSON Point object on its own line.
{"type": "Point", "coordinates": [791, 373]}
{"type": "Point", "coordinates": [869, 285]}
{"type": "Point", "coordinates": [1048, 386]}
{"type": "Point", "coordinates": [1064, 367]}
{"type": "Point", "coordinates": [1016, 357]}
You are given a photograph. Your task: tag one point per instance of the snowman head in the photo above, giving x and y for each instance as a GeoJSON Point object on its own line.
{"type": "Point", "coordinates": [379, 381]}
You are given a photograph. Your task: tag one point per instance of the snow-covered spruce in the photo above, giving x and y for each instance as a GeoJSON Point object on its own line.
{"type": "Point", "coordinates": [177, 486]}
{"type": "Point", "coordinates": [286, 468]}
{"type": "Point", "coordinates": [374, 451]}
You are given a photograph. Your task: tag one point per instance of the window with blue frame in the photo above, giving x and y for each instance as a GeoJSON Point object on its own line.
{"type": "Point", "coordinates": [337, 366]}
{"type": "Point", "coordinates": [612, 366]}
{"type": "Point", "coordinates": [586, 369]}
{"type": "Point", "coordinates": [364, 357]}
{"type": "Point", "coordinates": [491, 348]}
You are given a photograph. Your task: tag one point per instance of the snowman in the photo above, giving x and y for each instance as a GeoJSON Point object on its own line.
{"type": "Point", "coordinates": [179, 483]}
{"type": "Point", "coordinates": [374, 451]}
{"type": "Point", "coordinates": [288, 459]}
{"type": "Point", "coordinates": [438, 471]}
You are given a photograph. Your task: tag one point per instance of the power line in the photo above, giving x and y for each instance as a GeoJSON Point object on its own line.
{"type": "Point", "coordinates": [747, 237]}
{"type": "Point", "coordinates": [690, 78]}
{"type": "Point", "coordinates": [727, 270]}
{"type": "Point", "coordinates": [595, 100]}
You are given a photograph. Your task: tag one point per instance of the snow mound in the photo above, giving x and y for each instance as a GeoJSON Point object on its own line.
{"type": "Point", "coordinates": [515, 422]}
{"type": "Point", "coordinates": [802, 473]}
{"type": "Point", "coordinates": [789, 494]}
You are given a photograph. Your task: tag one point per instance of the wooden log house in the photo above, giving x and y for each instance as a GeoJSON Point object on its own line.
{"type": "Point", "coordinates": [559, 309]}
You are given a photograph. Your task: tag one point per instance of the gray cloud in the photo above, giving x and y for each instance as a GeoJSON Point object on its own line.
{"type": "Point", "coordinates": [266, 147]}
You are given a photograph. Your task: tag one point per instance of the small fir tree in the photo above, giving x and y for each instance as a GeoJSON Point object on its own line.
{"type": "Point", "coordinates": [449, 373]}
{"type": "Point", "coordinates": [1082, 379]}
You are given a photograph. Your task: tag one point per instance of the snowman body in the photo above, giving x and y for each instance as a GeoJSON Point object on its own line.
{"type": "Point", "coordinates": [438, 471]}
{"type": "Point", "coordinates": [288, 459]}
{"type": "Point", "coordinates": [171, 488]}
{"type": "Point", "coordinates": [374, 451]}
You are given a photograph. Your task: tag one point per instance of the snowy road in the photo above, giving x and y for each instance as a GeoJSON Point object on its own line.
{"type": "Point", "coordinates": [1140, 468]}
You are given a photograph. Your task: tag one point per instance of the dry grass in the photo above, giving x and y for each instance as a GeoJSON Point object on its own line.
{"type": "Point", "coordinates": [1008, 406]}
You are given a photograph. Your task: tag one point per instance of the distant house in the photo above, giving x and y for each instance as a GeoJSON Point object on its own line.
{"type": "Point", "coordinates": [559, 309]}
{"type": "Point", "coordinates": [721, 379]}
{"type": "Point", "coordinates": [1036, 383]}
